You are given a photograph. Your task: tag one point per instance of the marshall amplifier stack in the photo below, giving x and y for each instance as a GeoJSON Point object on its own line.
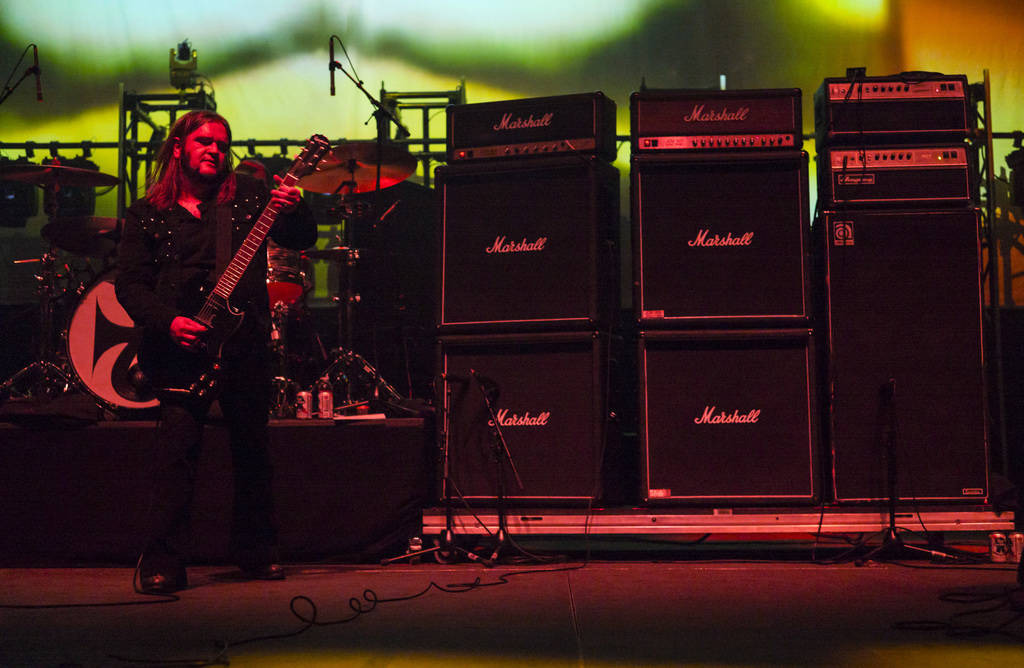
{"type": "Point", "coordinates": [899, 250]}
{"type": "Point", "coordinates": [529, 269]}
{"type": "Point", "coordinates": [720, 215]}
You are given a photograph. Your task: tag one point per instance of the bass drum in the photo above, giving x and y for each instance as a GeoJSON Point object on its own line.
{"type": "Point", "coordinates": [102, 345]}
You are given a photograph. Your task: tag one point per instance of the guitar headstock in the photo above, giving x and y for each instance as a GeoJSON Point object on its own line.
{"type": "Point", "coordinates": [312, 153]}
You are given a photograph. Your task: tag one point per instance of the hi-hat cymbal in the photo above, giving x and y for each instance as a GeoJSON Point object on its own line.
{"type": "Point", "coordinates": [52, 175]}
{"type": "Point", "coordinates": [352, 168]}
{"type": "Point", "coordinates": [83, 235]}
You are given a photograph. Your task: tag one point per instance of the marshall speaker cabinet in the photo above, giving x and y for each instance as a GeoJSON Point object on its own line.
{"type": "Point", "coordinates": [728, 417]}
{"type": "Point", "coordinates": [528, 245]}
{"type": "Point", "coordinates": [905, 355]}
{"type": "Point", "coordinates": [549, 395]}
{"type": "Point", "coordinates": [720, 240]}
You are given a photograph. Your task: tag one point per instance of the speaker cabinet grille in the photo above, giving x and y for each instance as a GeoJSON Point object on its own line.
{"type": "Point", "coordinates": [905, 349]}
{"type": "Point", "coordinates": [549, 393]}
{"type": "Point", "coordinates": [720, 241]}
{"type": "Point", "coordinates": [528, 246]}
{"type": "Point", "coordinates": [728, 417]}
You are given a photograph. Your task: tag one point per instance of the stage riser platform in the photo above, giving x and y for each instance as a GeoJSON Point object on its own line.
{"type": "Point", "coordinates": [342, 491]}
{"type": "Point", "coordinates": [795, 523]}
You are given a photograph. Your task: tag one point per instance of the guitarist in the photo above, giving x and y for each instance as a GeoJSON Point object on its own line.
{"type": "Point", "coordinates": [172, 247]}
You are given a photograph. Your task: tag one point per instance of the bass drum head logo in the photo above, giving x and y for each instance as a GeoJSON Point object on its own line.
{"type": "Point", "coordinates": [102, 346]}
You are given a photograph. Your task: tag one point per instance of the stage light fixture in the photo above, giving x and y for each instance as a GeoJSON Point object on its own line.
{"type": "Point", "coordinates": [183, 63]}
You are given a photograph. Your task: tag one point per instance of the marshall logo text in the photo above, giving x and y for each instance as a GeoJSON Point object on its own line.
{"type": "Point", "coordinates": [517, 123]}
{"type": "Point", "coordinates": [702, 239]}
{"type": "Point", "coordinates": [524, 420]}
{"type": "Point", "coordinates": [501, 245]}
{"type": "Point", "coordinates": [721, 417]}
{"type": "Point", "coordinates": [699, 115]}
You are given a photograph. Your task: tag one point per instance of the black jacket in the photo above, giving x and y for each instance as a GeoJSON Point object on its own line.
{"type": "Point", "coordinates": [157, 258]}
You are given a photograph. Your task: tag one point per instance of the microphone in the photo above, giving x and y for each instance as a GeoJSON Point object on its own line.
{"type": "Point", "coordinates": [35, 70]}
{"type": "Point", "coordinates": [452, 378]}
{"type": "Point", "coordinates": [488, 384]}
{"type": "Point", "coordinates": [330, 45]}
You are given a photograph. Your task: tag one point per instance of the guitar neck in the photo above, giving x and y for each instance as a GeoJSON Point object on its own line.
{"type": "Point", "coordinates": [232, 274]}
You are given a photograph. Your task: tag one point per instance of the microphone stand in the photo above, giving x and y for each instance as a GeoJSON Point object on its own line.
{"type": "Point", "coordinates": [9, 90]}
{"type": "Point", "coordinates": [383, 116]}
{"type": "Point", "coordinates": [446, 544]}
{"type": "Point", "coordinates": [501, 454]}
{"type": "Point", "coordinates": [893, 547]}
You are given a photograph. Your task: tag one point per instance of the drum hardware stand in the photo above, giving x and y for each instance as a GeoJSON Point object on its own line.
{"type": "Point", "coordinates": [51, 378]}
{"type": "Point", "coordinates": [345, 362]}
{"type": "Point", "coordinates": [893, 547]}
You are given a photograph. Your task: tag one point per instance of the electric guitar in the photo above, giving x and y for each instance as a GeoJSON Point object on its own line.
{"type": "Point", "coordinates": [174, 369]}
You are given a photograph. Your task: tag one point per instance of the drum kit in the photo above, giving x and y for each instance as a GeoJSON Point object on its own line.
{"type": "Point", "coordinates": [94, 348]}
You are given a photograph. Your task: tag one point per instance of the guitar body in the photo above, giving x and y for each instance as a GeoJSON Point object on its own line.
{"type": "Point", "coordinates": [171, 368]}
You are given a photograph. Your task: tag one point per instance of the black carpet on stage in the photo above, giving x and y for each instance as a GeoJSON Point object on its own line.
{"type": "Point", "coordinates": [74, 494]}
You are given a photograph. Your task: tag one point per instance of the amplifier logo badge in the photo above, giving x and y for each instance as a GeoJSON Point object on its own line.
{"type": "Point", "coordinates": [699, 115]}
{"type": "Point", "coordinates": [517, 123]}
{"type": "Point", "coordinates": [702, 239]}
{"type": "Point", "coordinates": [856, 179]}
{"type": "Point", "coordinates": [524, 420]}
{"type": "Point", "coordinates": [501, 245]}
{"type": "Point", "coordinates": [842, 233]}
{"type": "Point", "coordinates": [709, 416]}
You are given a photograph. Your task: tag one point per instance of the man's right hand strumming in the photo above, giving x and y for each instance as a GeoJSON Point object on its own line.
{"type": "Point", "coordinates": [188, 333]}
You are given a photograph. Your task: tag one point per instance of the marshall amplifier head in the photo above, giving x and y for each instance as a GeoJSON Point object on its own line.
{"type": "Point", "coordinates": [582, 123]}
{"type": "Point", "coordinates": [916, 176]}
{"type": "Point", "coordinates": [913, 106]}
{"type": "Point", "coordinates": [715, 120]}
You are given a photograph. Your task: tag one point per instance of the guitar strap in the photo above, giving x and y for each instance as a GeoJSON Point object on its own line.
{"type": "Point", "coordinates": [223, 238]}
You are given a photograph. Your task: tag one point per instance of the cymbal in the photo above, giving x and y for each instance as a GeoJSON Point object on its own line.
{"type": "Point", "coordinates": [51, 175]}
{"type": "Point", "coordinates": [352, 168]}
{"type": "Point", "coordinates": [83, 235]}
{"type": "Point", "coordinates": [336, 253]}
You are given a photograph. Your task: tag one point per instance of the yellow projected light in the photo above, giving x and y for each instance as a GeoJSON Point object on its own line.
{"type": "Point", "coordinates": [863, 13]}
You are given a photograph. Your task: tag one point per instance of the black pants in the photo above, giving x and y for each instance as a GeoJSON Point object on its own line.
{"type": "Point", "coordinates": [244, 398]}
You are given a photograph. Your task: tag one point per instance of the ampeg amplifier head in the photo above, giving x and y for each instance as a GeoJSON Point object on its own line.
{"type": "Point", "coordinates": [582, 123]}
{"type": "Point", "coordinates": [913, 106]}
{"type": "Point", "coordinates": [715, 120]}
{"type": "Point", "coordinates": [917, 176]}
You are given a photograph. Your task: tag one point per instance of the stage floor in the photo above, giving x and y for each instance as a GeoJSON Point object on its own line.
{"type": "Point", "coordinates": [597, 614]}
